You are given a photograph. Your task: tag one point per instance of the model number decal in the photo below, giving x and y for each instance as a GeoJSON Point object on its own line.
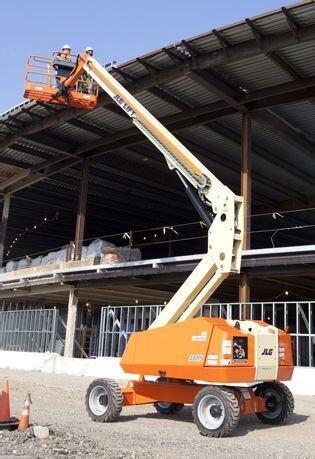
{"type": "Point", "coordinates": [196, 358]}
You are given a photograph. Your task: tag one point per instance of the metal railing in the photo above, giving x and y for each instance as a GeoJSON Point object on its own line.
{"type": "Point", "coordinates": [32, 330]}
{"type": "Point", "coordinates": [119, 322]}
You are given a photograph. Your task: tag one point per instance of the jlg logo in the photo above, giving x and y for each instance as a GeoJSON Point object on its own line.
{"type": "Point", "coordinates": [267, 351]}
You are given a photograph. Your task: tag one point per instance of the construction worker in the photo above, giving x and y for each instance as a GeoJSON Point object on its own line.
{"type": "Point", "coordinates": [63, 65]}
{"type": "Point", "coordinates": [89, 51]}
{"type": "Point", "coordinates": [65, 53]}
{"type": "Point", "coordinates": [86, 82]}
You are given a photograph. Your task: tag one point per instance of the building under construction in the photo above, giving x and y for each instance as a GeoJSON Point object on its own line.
{"type": "Point", "coordinates": [97, 234]}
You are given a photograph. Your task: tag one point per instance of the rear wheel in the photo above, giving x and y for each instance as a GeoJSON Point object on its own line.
{"type": "Point", "coordinates": [279, 402]}
{"type": "Point", "coordinates": [104, 400]}
{"type": "Point", "coordinates": [216, 411]}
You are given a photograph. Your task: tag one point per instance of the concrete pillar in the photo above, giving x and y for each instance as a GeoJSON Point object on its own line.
{"type": "Point", "coordinates": [4, 224]}
{"type": "Point", "coordinates": [71, 322]}
{"type": "Point", "coordinates": [80, 224]}
{"type": "Point", "coordinates": [244, 287]}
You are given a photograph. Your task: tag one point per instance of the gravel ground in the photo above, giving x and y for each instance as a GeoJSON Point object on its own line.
{"type": "Point", "coordinates": [58, 402]}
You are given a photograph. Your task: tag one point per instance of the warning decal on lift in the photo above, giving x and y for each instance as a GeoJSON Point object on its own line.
{"type": "Point", "coordinates": [226, 347]}
{"type": "Point", "coordinates": [201, 338]}
{"type": "Point", "coordinates": [212, 359]}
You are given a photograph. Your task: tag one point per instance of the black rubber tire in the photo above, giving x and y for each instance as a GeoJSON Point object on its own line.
{"type": "Point", "coordinates": [286, 401]}
{"type": "Point", "coordinates": [169, 408]}
{"type": "Point", "coordinates": [231, 411]}
{"type": "Point", "coordinates": [114, 400]}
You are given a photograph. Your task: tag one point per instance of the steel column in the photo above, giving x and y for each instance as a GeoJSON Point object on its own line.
{"type": "Point", "coordinates": [244, 288]}
{"type": "Point", "coordinates": [4, 224]}
{"type": "Point", "coordinates": [80, 224]}
{"type": "Point", "coordinates": [71, 322]}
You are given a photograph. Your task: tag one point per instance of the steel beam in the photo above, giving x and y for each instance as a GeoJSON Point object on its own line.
{"type": "Point", "coordinates": [260, 151]}
{"type": "Point", "coordinates": [33, 291]}
{"type": "Point", "coordinates": [71, 321]}
{"type": "Point", "coordinates": [81, 213]}
{"type": "Point", "coordinates": [292, 22]}
{"type": "Point", "coordinates": [216, 86]}
{"type": "Point", "coordinates": [4, 224]}
{"type": "Point", "coordinates": [267, 117]}
{"type": "Point", "coordinates": [246, 176]}
{"type": "Point", "coordinates": [274, 56]}
{"type": "Point", "coordinates": [283, 129]}
{"type": "Point", "coordinates": [244, 286]}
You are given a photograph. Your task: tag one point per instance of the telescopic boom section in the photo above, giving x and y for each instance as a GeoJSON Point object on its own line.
{"type": "Point", "coordinates": [225, 234]}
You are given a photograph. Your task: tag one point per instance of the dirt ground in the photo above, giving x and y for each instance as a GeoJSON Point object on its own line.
{"type": "Point", "coordinates": [58, 402]}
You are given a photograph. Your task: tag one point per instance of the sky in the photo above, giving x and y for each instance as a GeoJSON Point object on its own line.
{"type": "Point", "coordinates": [117, 29]}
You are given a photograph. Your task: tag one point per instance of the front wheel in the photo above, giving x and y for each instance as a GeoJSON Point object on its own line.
{"type": "Point", "coordinates": [279, 402]}
{"type": "Point", "coordinates": [104, 400]}
{"type": "Point", "coordinates": [216, 411]}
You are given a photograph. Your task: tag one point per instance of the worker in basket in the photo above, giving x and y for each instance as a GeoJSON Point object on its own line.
{"type": "Point", "coordinates": [65, 53]}
{"type": "Point", "coordinates": [89, 51]}
{"type": "Point", "coordinates": [86, 84]}
{"type": "Point", "coordinates": [63, 65]}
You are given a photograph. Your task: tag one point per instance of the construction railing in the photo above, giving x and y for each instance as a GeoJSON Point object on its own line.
{"type": "Point", "coordinates": [119, 322]}
{"type": "Point", "coordinates": [32, 330]}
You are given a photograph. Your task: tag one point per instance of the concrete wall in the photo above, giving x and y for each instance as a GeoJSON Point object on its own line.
{"type": "Point", "coordinates": [302, 383]}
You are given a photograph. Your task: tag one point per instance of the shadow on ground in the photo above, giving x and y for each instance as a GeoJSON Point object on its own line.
{"type": "Point", "coordinates": [247, 424]}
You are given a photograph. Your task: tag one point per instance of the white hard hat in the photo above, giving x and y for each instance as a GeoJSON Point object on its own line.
{"type": "Point", "coordinates": [66, 47]}
{"type": "Point", "coordinates": [88, 48]}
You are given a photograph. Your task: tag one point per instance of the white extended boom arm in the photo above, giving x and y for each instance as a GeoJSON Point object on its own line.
{"type": "Point", "coordinates": [225, 234]}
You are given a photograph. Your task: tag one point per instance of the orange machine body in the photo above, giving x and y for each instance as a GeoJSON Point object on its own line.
{"type": "Point", "coordinates": [42, 83]}
{"type": "Point", "coordinates": [205, 349]}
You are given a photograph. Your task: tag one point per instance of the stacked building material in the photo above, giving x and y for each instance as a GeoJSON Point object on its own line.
{"type": "Point", "coordinates": [99, 250]}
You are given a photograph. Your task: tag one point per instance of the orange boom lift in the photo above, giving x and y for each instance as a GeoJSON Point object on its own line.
{"type": "Point", "coordinates": [223, 368]}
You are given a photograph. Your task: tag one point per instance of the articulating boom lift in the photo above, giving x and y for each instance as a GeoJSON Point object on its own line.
{"type": "Point", "coordinates": [247, 358]}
